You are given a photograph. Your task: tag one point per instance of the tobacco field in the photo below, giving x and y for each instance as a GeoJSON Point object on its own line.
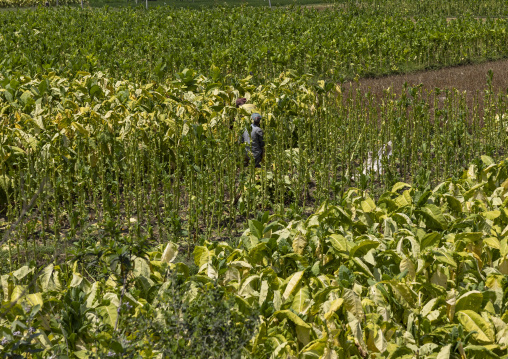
{"type": "Point", "coordinates": [333, 45]}
{"type": "Point", "coordinates": [131, 226]}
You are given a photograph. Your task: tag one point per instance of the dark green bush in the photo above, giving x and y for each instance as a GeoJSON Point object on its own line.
{"type": "Point", "coordinates": [190, 322]}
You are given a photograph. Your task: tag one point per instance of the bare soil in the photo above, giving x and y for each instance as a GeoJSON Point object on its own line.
{"type": "Point", "coordinates": [470, 78]}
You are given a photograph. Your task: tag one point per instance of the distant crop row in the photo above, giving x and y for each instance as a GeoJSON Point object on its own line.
{"type": "Point", "coordinates": [153, 45]}
{"type": "Point", "coordinates": [31, 3]}
{"type": "Point", "coordinates": [494, 8]}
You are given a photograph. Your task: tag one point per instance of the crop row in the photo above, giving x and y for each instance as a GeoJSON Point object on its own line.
{"type": "Point", "coordinates": [98, 156]}
{"type": "Point", "coordinates": [143, 45]}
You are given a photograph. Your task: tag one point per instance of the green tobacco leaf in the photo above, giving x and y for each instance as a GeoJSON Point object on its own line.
{"type": "Point", "coordinates": [487, 161]}
{"type": "Point", "coordinates": [407, 265]}
{"type": "Point", "coordinates": [400, 352]}
{"type": "Point", "coordinates": [82, 354]}
{"type": "Point", "coordinates": [49, 280]}
{"type": "Point", "coordinates": [281, 314]}
{"type": "Point", "coordinates": [76, 280]}
{"type": "Point", "coordinates": [472, 191]}
{"type": "Point", "coordinates": [402, 219]}
{"type": "Point", "coordinates": [423, 198]}
{"type": "Point", "coordinates": [404, 199]}
{"type": "Point", "coordinates": [338, 242]}
{"type": "Point", "coordinates": [301, 299]}
{"type": "Point", "coordinates": [363, 247]}
{"type": "Point", "coordinates": [473, 322]}
{"type": "Point", "coordinates": [246, 287]}
{"type": "Point", "coordinates": [445, 352]}
{"type": "Point", "coordinates": [444, 257]}
{"type": "Point", "coordinates": [201, 255]}
{"type": "Point", "coordinates": [400, 185]}
{"type": "Point", "coordinates": [368, 205]}
{"type": "Point", "coordinates": [433, 217]}
{"type": "Point", "coordinates": [469, 301]}
{"type": "Point", "coordinates": [277, 353]}
{"type": "Point", "coordinates": [263, 292]}
{"type": "Point", "coordinates": [454, 203]}
{"type": "Point", "coordinates": [336, 304]}
{"type": "Point", "coordinates": [430, 240]}
{"type": "Point", "coordinates": [480, 352]}
{"type": "Point", "coordinates": [303, 334]}
{"type": "Point", "coordinates": [314, 349]}
{"type": "Point", "coordinates": [468, 237]}
{"type": "Point", "coordinates": [356, 330]}
{"type": "Point", "coordinates": [492, 242]}
{"type": "Point", "coordinates": [35, 299]}
{"type": "Point", "coordinates": [292, 285]}
{"type": "Point", "coordinates": [243, 305]}
{"type": "Point", "coordinates": [297, 258]}
{"type": "Point", "coordinates": [22, 272]}
{"type": "Point", "coordinates": [141, 268]}
{"type": "Point", "coordinates": [256, 228]}
{"type": "Point", "coordinates": [353, 303]}
{"type": "Point", "coordinates": [492, 215]}
{"type": "Point", "coordinates": [109, 314]}
{"type": "Point", "coordinates": [4, 282]}
{"type": "Point", "coordinates": [342, 215]}
{"type": "Point", "coordinates": [403, 294]}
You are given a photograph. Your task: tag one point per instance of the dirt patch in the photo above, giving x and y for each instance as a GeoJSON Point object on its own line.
{"type": "Point", "coordinates": [470, 78]}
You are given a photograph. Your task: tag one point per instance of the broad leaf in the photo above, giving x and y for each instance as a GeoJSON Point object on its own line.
{"type": "Point", "coordinates": [473, 322]}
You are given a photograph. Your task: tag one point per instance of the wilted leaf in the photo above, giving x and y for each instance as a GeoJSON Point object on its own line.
{"type": "Point", "coordinates": [170, 253]}
{"type": "Point", "coordinates": [299, 243]}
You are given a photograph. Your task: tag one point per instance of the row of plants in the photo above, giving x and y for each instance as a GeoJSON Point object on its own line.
{"type": "Point", "coordinates": [82, 158]}
{"type": "Point", "coordinates": [421, 272]}
{"type": "Point", "coordinates": [35, 3]}
{"type": "Point", "coordinates": [492, 8]}
{"type": "Point", "coordinates": [140, 45]}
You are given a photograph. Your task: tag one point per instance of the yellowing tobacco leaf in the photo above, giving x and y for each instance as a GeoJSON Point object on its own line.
{"type": "Point", "coordinates": [473, 322]}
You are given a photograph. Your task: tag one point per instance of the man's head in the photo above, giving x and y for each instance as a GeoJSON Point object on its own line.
{"type": "Point", "coordinates": [240, 101]}
{"type": "Point", "coordinates": [256, 118]}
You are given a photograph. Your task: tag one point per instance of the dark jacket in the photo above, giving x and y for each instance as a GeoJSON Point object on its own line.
{"type": "Point", "coordinates": [254, 140]}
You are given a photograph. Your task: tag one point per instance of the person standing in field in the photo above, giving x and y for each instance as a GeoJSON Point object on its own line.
{"type": "Point", "coordinates": [254, 140]}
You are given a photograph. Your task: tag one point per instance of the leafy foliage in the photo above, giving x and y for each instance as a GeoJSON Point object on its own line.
{"type": "Point", "coordinates": [207, 326]}
{"type": "Point", "coordinates": [406, 274]}
{"type": "Point", "coordinates": [98, 158]}
{"type": "Point", "coordinates": [336, 44]}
